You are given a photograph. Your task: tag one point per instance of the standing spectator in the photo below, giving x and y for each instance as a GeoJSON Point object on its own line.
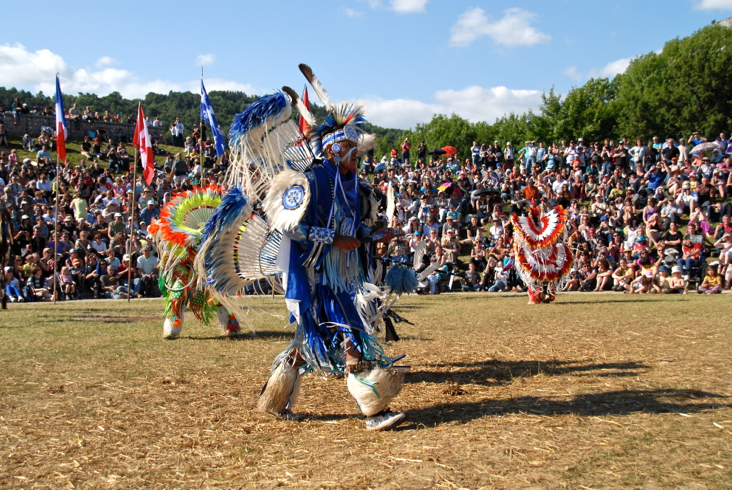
{"type": "Point", "coordinates": [17, 108]}
{"type": "Point", "coordinates": [509, 156]}
{"type": "Point", "coordinates": [177, 130]}
{"type": "Point", "coordinates": [475, 153]}
{"type": "Point", "coordinates": [422, 151]}
{"type": "Point", "coordinates": [180, 170]}
{"type": "Point", "coordinates": [3, 136]}
{"type": "Point", "coordinates": [406, 147]}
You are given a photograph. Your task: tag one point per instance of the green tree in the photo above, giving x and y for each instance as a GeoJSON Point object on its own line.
{"type": "Point", "coordinates": [684, 88]}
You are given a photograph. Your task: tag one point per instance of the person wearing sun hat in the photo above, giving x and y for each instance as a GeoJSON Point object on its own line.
{"type": "Point", "coordinates": [676, 283]}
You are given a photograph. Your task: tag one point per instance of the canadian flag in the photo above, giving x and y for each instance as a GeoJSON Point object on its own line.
{"type": "Point", "coordinates": [304, 126]}
{"type": "Point", "coordinates": [143, 144]}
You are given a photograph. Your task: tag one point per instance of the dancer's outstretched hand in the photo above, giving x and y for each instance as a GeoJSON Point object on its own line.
{"type": "Point", "coordinates": [346, 242]}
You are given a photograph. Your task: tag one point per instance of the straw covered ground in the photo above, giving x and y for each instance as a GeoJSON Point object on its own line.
{"type": "Point", "coordinates": [593, 391]}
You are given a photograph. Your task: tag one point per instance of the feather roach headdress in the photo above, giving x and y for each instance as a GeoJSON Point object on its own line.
{"type": "Point", "coordinates": [345, 121]}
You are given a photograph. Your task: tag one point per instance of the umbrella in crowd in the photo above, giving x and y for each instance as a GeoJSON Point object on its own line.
{"type": "Point", "coordinates": [437, 152]}
{"type": "Point", "coordinates": [449, 150]}
{"type": "Point", "coordinates": [450, 188]}
{"type": "Point", "coordinates": [708, 146]}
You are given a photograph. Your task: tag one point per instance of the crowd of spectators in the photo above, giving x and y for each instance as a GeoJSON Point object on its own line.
{"type": "Point", "coordinates": [643, 218]}
{"type": "Point", "coordinates": [98, 240]}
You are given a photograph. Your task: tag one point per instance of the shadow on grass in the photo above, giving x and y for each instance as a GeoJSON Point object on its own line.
{"type": "Point", "coordinates": [259, 334]}
{"type": "Point", "coordinates": [496, 373]}
{"type": "Point", "coordinates": [592, 404]}
{"type": "Point", "coordinates": [630, 299]}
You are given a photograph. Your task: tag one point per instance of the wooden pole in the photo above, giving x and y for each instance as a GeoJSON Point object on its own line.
{"type": "Point", "coordinates": [133, 206]}
{"type": "Point", "coordinates": [55, 222]}
{"type": "Point", "coordinates": [200, 133]}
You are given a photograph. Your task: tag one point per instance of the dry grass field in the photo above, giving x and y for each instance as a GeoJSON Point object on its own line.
{"type": "Point", "coordinates": [593, 391]}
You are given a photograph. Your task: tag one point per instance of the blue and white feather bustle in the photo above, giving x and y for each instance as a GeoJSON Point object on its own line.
{"type": "Point", "coordinates": [237, 249]}
{"type": "Point", "coordinates": [265, 141]}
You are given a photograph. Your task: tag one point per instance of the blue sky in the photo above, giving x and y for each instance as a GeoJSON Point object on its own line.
{"type": "Point", "coordinates": [407, 59]}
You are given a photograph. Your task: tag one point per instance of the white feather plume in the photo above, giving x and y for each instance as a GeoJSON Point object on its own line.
{"type": "Point", "coordinates": [390, 203]}
{"type": "Point", "coordinates": [315, 83]}
{"type": "Point", "coordinates": [366, 142]}
{"type": "Point", "coordinates": [419, 252]}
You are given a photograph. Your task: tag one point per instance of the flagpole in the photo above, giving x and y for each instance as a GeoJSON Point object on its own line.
{"type": "Point", "coordinates": [200, 133]}
{"type": "Point", "coordinates": [133, 205]}
{"type": "Point", "coordinates": [55, 222]}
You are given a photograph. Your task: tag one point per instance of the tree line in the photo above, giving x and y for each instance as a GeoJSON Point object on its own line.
{"type": "Point", "coordinates": [684, 88]}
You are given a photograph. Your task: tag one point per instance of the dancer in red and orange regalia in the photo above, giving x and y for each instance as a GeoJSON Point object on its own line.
{"type": "Point", "coordinates": [542, 258]}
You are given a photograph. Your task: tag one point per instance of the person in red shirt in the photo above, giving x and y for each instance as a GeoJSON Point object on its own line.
{"type": "Point", "coordinates": [406, 147]}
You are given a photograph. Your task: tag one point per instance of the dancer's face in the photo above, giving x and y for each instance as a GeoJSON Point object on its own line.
{"type": "Point", "coordinates": [348, 155]}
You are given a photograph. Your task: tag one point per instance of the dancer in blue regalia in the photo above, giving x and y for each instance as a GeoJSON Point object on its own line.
{"type": "Point", "coordinates": [326, 215]}
{"type": "Point", "coordinates": [297, 209]}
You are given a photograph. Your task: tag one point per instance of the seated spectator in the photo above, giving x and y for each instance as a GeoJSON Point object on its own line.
{"type": "Point", "coordinates": [98, 245]}
{"type": "Point", "coordinates": [12, 286]}
{"type": "Point", "coordinates": [712, 283]}
{"type": "Point", "coordinates": [67, 284]}
{"type": "Point", "coordinates": [622, 276]}
{"type": "Point", "coordinates": [147, 265]}
{"type": "Point", "coordinates": [450, 246]}
{"type": "Point", "coordinates": [643, 283]}
{"type": "Point", "coordinates": [661, 281]}
{"type": "Point", "coordinates": [43, 157]}
{"type": "Point", "coordinates": [111, 286]}
{"type": "Point", "coordinates": [36, 289]}
{"type": "Point", "coordinates": [500, 282]}
{"type": "Point", "coordinates": [472, 281]}
{"type": "Point", "coordinates": [603, 279]}
{"type": "Point", "coordinates": [676, 283]}
{"type": "Point", "coordinates": [88, 115]}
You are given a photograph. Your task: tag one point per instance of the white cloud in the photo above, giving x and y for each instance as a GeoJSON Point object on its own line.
{"type": "Point", "coordinates": [514, 29]}
{"type": "Point", "coordinates": [714, 5]}
{"type": "Point", "coordinates": [611, 69]}
{"type": "Point", "coordinates": [354, 14]}
{"type": "Point", "coordinates": [473, 103]}
{"type": "Point", "coordinates": [372, 3]}
{"type": "Point", "coordinates": [106, 61]}
{"type": "Point", "coordinates": [36, 71]}
{"type": "Point", "coordinates": [399, 6]}
{"type": "Point", "coordinates": [408, 6]}
{"type": "Point", "coordinates": [608, 71]}
{"type": "Point", "coordinates": [205, 59]}
{"type": "Point", "coordinates": [572, 73]}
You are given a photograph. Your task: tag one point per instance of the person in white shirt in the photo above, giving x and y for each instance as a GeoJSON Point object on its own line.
{"type": "Point", "coordinates": [639, 153]}
{"type": "Point", "coordinates": [177, 130]}
{"type": "Point", "coordinates": [43, 184]}
{"type": "Point", "coordinates": [147, 265]}
{"type": "Point", "coordinates": [557, 184]}
{"type": "Point", "coordinates": [687, 199]}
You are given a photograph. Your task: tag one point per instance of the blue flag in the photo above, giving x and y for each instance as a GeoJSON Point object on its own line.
{"type": "Point", "coordinates": [207, 114]}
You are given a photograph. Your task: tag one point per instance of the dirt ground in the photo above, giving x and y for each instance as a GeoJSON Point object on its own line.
{"type": "Point", "coordinates": [593, 391]}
